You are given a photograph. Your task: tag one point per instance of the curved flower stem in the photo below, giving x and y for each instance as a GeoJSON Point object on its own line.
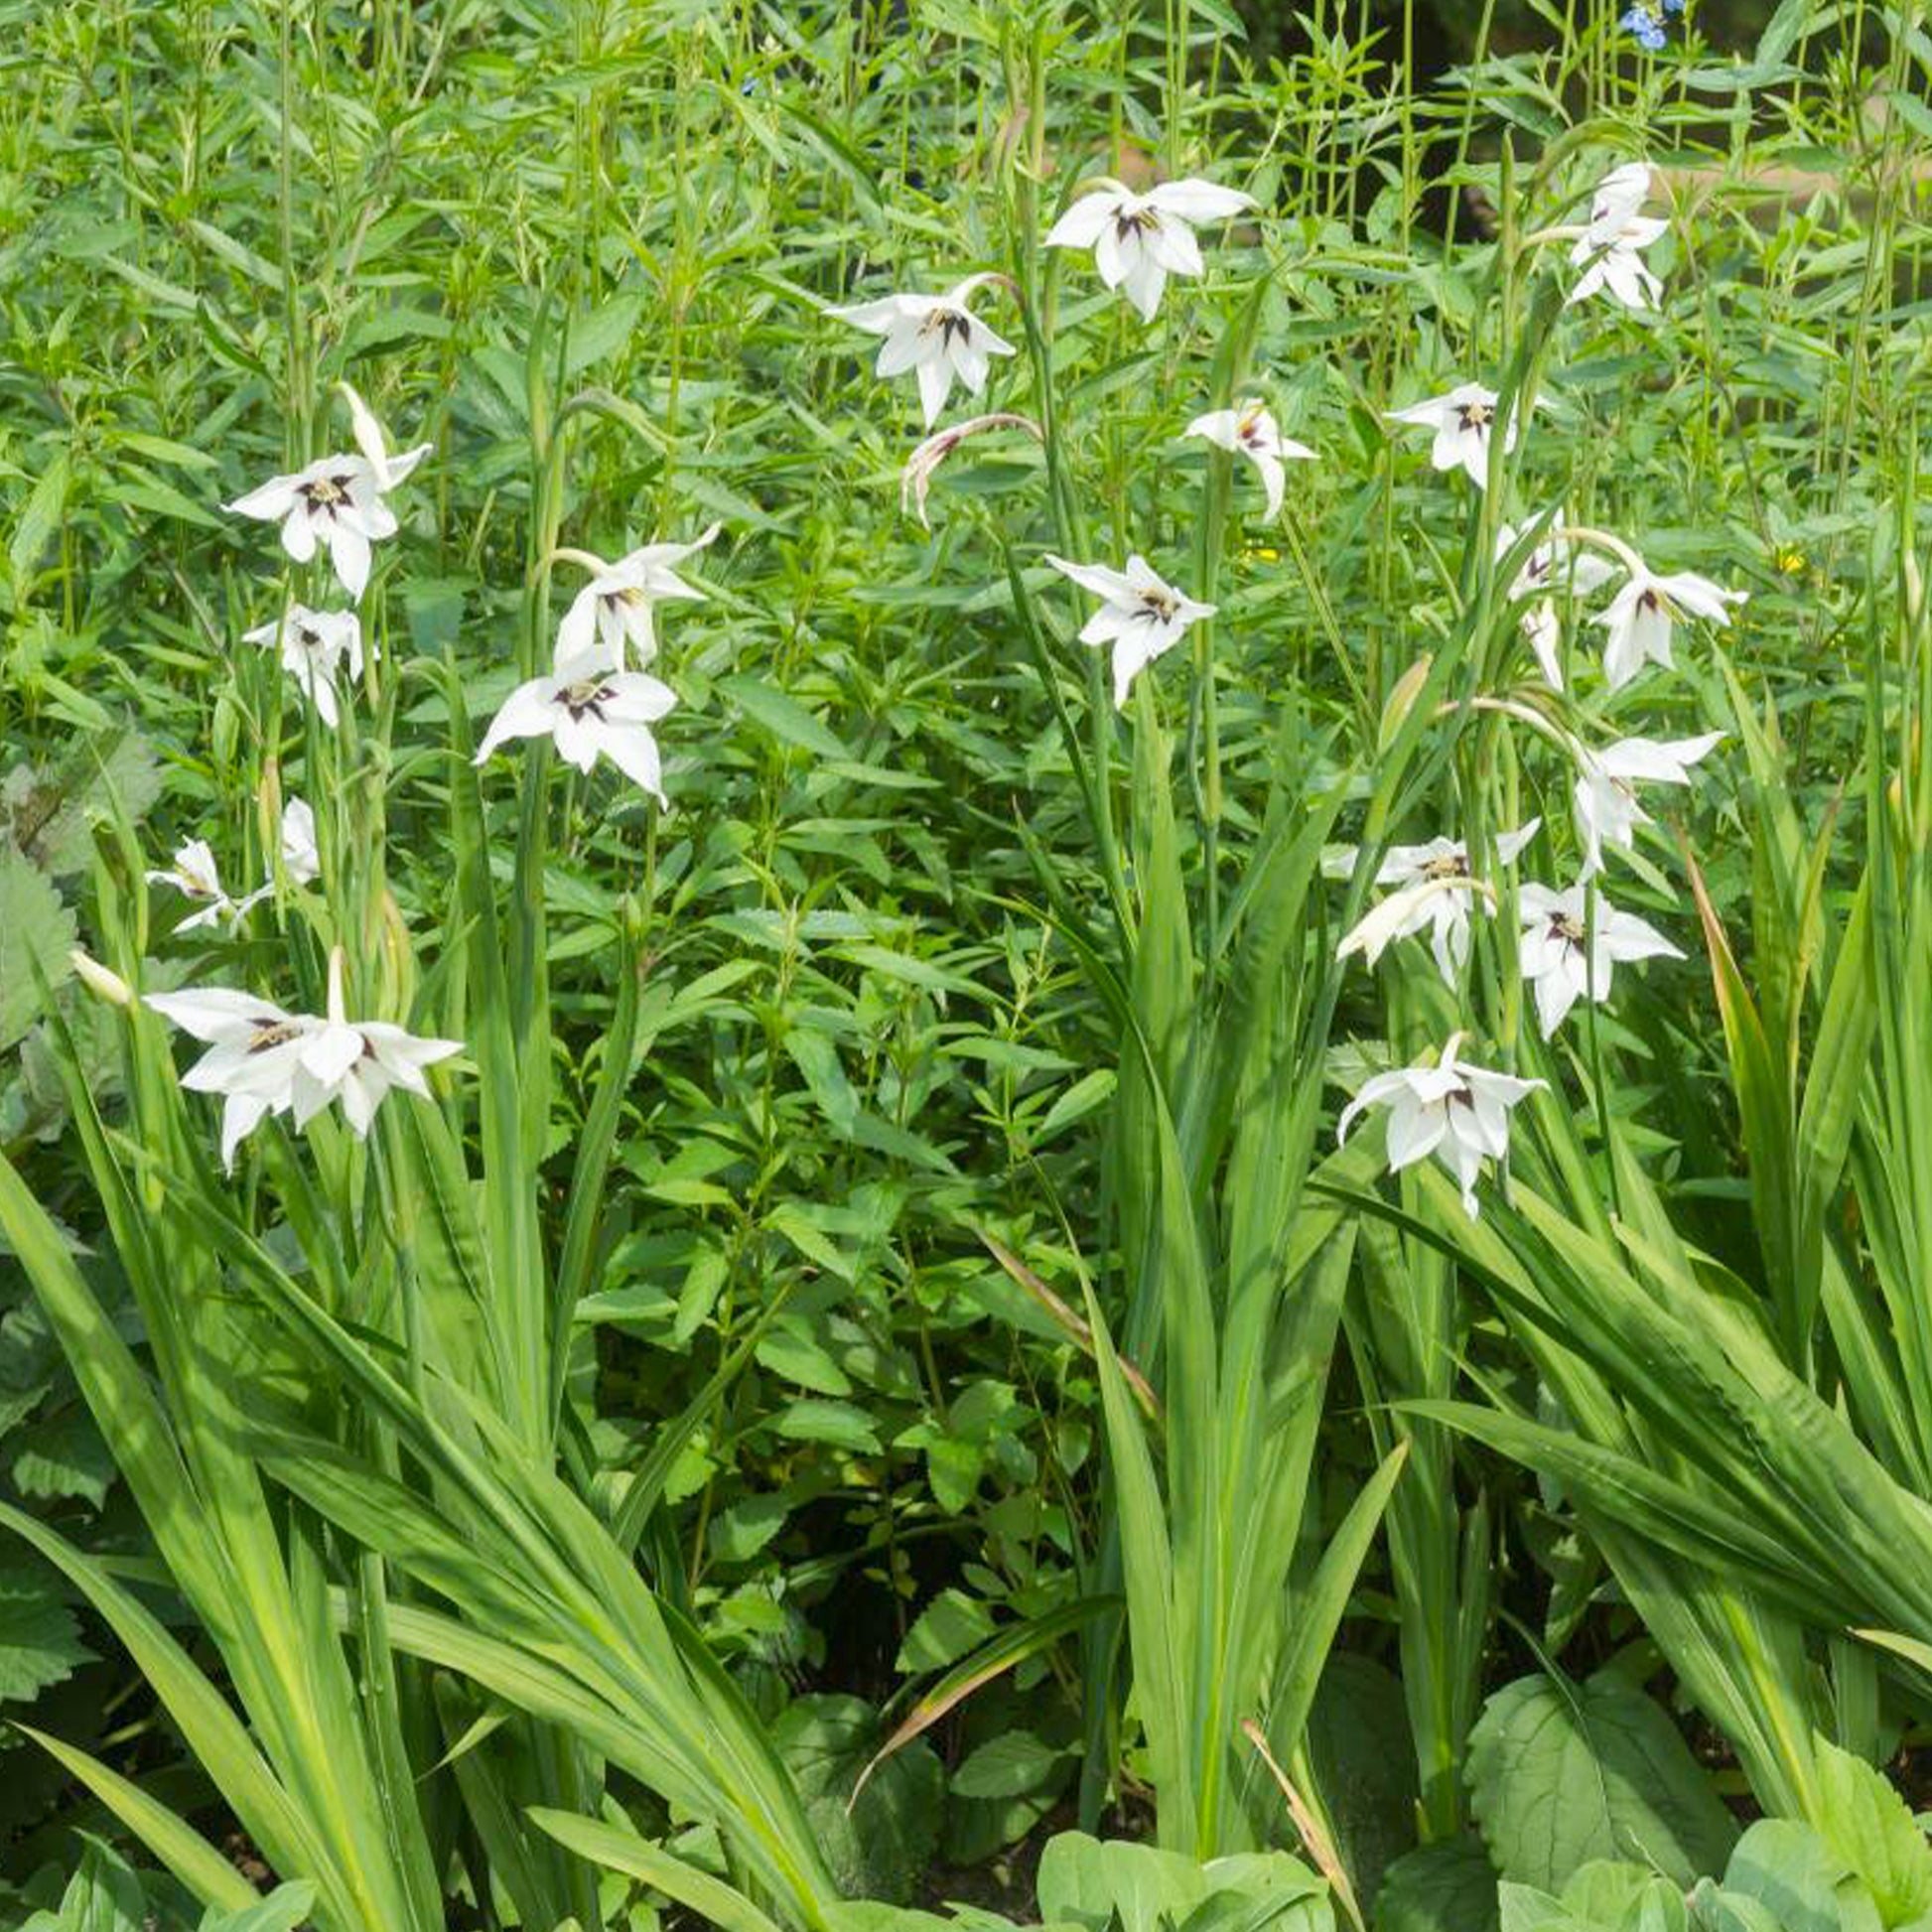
{"type": "Point", "coordinates": [1563, 231]}
{"type": "Point", "coordinates": [1524, 714]}
{"type": "Point", "coordinates": [1603, 539]}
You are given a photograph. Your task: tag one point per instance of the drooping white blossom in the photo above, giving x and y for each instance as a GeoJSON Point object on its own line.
{"type": "Point", "coordinates": [1638, 620]}
{"type": "Point", "coordinates": [1604, 795]}
{"type": "Point", "coordinates": [1250, 430]}
{"type": "Point", "coordinates": [1435, 886]}
{"type": "Point", "coordinates": [1139, 615]}
{"type": "Point", "coordinates": [936, 336]}
{"type": "Point", "coordinates": [314, 645]}
{"type": "Point", "coordinates": [611, 616]}
{"type": "Point", "coordinates": [1453, 1109]}
{"type": "Point", "coordinates": [251, 1056]}
{"type": "Point", "coordinates": [1609, 250]}
{"type": "Point", "coordinates": [589, 710]}
{"type": "Point", "coordinates": [194, 875]}
{"type": "Point", "coordinates": [355, 1062]}
{"type": "Point", "coordinates": [1569, 953]}
{"type": "Point", "coordinates": [264, 1060]}
{"type": "Point", "coordinates": [1139, 241]}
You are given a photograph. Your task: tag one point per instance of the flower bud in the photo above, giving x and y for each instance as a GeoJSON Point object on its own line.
{"type": "Point", "coordinates": [1402, 700]}
{"type": "Point", "coordinates": [99, 981]}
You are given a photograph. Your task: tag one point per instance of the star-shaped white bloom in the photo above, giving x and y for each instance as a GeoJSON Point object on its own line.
{"type": "Point", "coordinates": [314, 645]}
{"type": "Point", "coordinates": [1637, 621]}
{"type": "Point", "coordinates": [251, 1059]}
{"type": "Point", "coordinates": [1609, 249]}
{"type": "Point", "coordinates": [1250, 430]}
{"type": "Point", "coordinates": [357, 1062]}
{"type": "Point", "coordinates": [587, 708]}
{"type": "Point", "coordinates": [337, 502]}
{"type": "Point", "coordinates": [1139, 241]}
{"type": "Point", "coordinates": [194, 875]}
{"type": "Point", "coordinates": [1464, 421]}
{"type": "Point", "coordinates": [1454, 1110]}
{"type": "Point", "coordinates": [936, 336]}
{"type": "Point", "coordinates": [615, 607]}
{"type": "Point", "coordinates": [1555, 960]}
{"type": "Point", "coordinates": [1434, 887]}
{"type": "Point", "coordinates": [1608, 812]}
{"type": "Point", "coordinates": [263, 1060]}
{"type": "Point", "coordinates": [1139, 615]}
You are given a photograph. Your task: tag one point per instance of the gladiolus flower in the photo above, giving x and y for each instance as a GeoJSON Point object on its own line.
{"type": "Point", "coordinates": [1250, 430]}
{"type": "Point", "coordinates": [263, 1060]}
{"type": "Point", "coordinates": [585, 708]}
{"type": "Point", "coordinates": [313, 644]}
{"type": "Point", "coordinates": [615, 607]}
{"type": "Point", "coordinates": [1464, 421]}
{"type": "Point", "coordinates": [1565, 957]}
{"type": "Point", "coordinates": [1608, 812]}
{"type": "Point", "coordinates": [1434, 888]}
{"type": "Point", "coordinates": [1139, 615]}
{"type": "Point", "coordinates": [936, 336]}
{"type": "Point", "coordinates": [1139, 241]}
{"type": "Point", "coordinates": [1454, 1110]}
{"type": "Point", "coordinates": [1637, 621]}
{"type": "Point", "coordinates": [195, 876]}
{"type": "Point", "coordinates": [357, 1062]}
{"type": "Point", "coordinates": [337, 500]}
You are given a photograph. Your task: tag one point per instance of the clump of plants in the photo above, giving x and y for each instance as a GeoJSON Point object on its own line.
{"type": "Point", "coordinates": [1038, 1045]}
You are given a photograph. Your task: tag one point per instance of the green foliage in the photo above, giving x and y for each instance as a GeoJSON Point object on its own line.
{"type": "Point", "coordinates": [1565, 1774]}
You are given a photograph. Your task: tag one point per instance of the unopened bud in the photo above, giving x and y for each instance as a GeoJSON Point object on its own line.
{"type": "Point", "coordinates": [99, 981]}
{"type": "Point", "coordinates": [1402, 700]}
{"type": "Point", "coordinates": [1914, 588]}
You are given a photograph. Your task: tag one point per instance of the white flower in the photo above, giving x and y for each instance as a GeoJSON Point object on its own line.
{"type": "Point", "coordinates": [1434, 888]}
{"type": "Point", "coordinates": [313, 644]}
{"type": "Point", "coordinates": [1251, 431]}
{"type": "Point", "coordinates": [1140, 616]}
{"type": "Point", "coordinates": [1462, 420]}
{"type": "Point", "coordinates": [935, 334]}
{"type": "Point", "coordinates": [1552, 952]}
{"type": "Point", "coordinates": [195, 876]}
{"type": "Point", "coordinates": [587, 708]}
{"type": "Point", "coordinates": [264, 1061]}
{"type": "Point", "coordinates": [300, 856]}
{"type": "Point", "coordinates": [1609, 249]}
{"type": "Point", "coordinates": [1139, 241]}
{"type": "Point", "coordinates": [615, 606]}
{"type": "Point", "coordinates": [1637, 620]}
{"type": "Point", "coordinates": [357, 1062]}
{"type": "Point", "coordinates": [251, 1059]}
{"type": "Point", "coordinates": [1553, 565]}
{"type": "Point", "coordinates": [1454, 1110]}
{"type": "Point", "coordinates": [1608, 812]}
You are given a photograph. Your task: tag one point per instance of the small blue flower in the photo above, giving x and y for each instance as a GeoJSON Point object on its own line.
{"type": "Point", "coordinates": [1647, 28]}
{"type": "Point", "coordinates": [1673, 7]}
